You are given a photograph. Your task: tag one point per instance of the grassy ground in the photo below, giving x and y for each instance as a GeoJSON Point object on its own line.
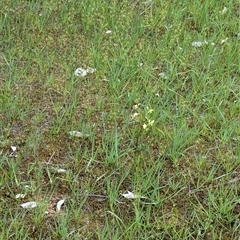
{"type": "Point", "coordinates": [159, 118]}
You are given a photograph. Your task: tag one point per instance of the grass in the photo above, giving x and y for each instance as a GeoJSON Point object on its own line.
{"type": "Point", "coordinates": [159, 117]}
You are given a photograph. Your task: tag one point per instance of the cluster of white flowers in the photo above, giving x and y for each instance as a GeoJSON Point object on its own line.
{"type": "Point", "coordinates": [143, 116]}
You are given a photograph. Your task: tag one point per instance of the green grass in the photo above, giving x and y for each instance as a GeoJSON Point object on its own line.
{"type": "Point", "coordinates": [173, 138]}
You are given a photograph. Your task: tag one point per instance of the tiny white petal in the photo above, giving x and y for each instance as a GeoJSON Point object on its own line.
{"type": "Point", "coordinates": [59, 205]}
{"type": "Point", "coordinates": [13, 148]}
{"type": "Point", "coordinates": [144, 126]}
{"type": "Point", "coordinates": [20, 195]}
{"type": "Point", "coordinates": [224, 10]}
{"type": "Point", "coordinates": [136, 106]}
{"type": "Point", "coordinates": [108, 32]}
{"type": "Point", "coordinates": [224, 40]}
{"type": "Point", "coordinates": [134, 115]}
{"type": "Point", "coordinates": [29, 205]}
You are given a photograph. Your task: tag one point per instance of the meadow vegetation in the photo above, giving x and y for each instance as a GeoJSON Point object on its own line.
{"type": "Point", "coordinates": [157, 114]}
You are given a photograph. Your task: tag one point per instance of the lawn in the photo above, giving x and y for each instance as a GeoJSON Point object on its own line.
{"type": "Point", "coordinates": [119, 119]}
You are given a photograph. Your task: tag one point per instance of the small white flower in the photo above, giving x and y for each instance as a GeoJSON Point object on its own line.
{"type": "Point", "coordinates": [224, 10]}
{"type": "Point", "coordinates": [150, 122]}
{"type": "Point", "coordinates": [108, 32]}
{"type": "Point", "coordinates": [134, 115]}
{"type": "Point", "coordinates": [150, 110]}
{"type": "Point", "coordinates": [136, 106]}
{"type": "Point", "coordinates": [224, 40]}
{"type": "Point", "coordinates": [144, 126]}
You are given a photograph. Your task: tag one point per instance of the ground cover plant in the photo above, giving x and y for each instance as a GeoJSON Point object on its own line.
{"type": "Point", "coordinates": [119, 119]}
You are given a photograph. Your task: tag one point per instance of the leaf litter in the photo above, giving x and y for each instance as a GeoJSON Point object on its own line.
{"type": "Point", "coordinates": [29, 205]}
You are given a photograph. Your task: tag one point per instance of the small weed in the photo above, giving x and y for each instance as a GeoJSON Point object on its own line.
{"type": "Point", "coordinates": [102, 100]}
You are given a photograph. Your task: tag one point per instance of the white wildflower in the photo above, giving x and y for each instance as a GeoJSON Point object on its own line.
{"type": "Point", "coordinates": [150, 110]}
{"type": "Point", "coordinates": [136, 106]}
{"type": "Point", "coordinates": [224, 40]}
{"type": "Point", "coordinates": [134, 115]}
{"type": "Point", "coordinates": [224, 10]}
{"type": "Point", "coordinates": [150, 122]}
{"type": "Point", "coordinates": [145, 126]}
